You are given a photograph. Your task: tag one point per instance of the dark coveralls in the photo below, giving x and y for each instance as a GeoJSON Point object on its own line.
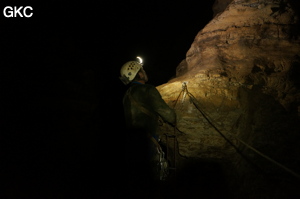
{"type": "Point", "coordinates": [143, 105]}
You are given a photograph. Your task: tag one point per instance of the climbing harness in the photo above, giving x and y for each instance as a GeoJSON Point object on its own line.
{"type": "Point", "coordinates": [162, 167]}
{"type": "Point", "coordinates": [196, 104]}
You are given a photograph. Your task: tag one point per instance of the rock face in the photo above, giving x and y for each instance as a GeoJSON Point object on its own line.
{"type": "Point", "coordinates": [243, 73]}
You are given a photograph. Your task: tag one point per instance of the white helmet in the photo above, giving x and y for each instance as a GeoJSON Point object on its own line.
{"type": "Point", "coordinates": [129, 71]}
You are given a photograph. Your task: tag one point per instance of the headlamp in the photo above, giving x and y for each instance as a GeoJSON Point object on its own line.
{"type": "Point", "coordinates": [140, 60]}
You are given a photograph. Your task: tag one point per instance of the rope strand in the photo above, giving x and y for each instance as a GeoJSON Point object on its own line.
{"type": "Point", "coordinates": [196, 104]}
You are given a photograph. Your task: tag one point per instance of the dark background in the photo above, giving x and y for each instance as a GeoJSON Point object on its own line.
{"type": "Point", "coordinates": [50, 148]}
{"type": "Point", "coordinates": [104, 36]}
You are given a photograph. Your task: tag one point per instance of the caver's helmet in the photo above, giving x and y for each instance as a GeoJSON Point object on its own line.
{"type": "Point", "coordinates": [129, 71]}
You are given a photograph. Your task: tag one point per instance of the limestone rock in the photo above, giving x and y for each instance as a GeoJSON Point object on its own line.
{"type": "Point", "coordinates": [243, 73]}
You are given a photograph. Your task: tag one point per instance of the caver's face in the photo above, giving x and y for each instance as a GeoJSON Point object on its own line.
{"type": "Point", "coordinates": [143, 75]}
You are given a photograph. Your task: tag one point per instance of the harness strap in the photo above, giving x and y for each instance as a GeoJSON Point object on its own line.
{"type": "Point", "coordinates": [156, 143]}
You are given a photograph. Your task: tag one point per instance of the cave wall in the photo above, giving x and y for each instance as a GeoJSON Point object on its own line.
{"type": "Point", "coordinates": [243, 70]}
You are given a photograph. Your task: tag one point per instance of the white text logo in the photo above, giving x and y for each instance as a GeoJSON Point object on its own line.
{"type": "Point", "coordinates": [15, 11]}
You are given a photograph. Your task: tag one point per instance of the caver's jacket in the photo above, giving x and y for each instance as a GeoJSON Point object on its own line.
{"type": "Point", "coordinates": [143, 105]}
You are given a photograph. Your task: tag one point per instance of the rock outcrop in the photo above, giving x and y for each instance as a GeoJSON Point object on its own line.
{"type": "Point", "coordinates": [243, 73]}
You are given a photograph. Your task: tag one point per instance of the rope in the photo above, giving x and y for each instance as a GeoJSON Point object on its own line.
{"type": "Point", "coordinates": [268, 158]}
{"type": "Point", "coordinates": [174, 132]}
{"type": "Point", "coordinates": [196, 104]}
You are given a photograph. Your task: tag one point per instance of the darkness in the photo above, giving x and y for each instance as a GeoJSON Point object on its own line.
{"type": "Point", "coordinates": [49, 149]}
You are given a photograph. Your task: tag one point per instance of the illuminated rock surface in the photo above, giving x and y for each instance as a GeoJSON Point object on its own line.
{"type": "Point", "coordinates": [243, 70]}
